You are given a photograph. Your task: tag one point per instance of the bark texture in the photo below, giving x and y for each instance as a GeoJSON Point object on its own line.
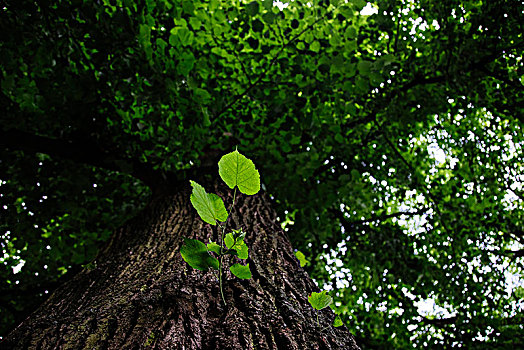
{"type": "Point", "coordinates": [140, 294]}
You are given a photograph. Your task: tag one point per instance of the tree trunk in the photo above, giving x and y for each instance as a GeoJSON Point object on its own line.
{"type": "Point", "coordinates": [140, 294]}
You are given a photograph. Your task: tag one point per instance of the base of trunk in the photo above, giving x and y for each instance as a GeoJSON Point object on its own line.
{"type": "Point", "coordinates": [142, 295]}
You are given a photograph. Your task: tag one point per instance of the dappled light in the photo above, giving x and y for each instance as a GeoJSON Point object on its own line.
{"type": "Point", "coordinates": [389, 140]}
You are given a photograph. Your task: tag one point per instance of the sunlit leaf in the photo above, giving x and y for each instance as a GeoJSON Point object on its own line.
{"type": "Point", "coordinates": [301, 258]}
{"type": "Point", "coordinates": [241, 271]}
{"type": "Point", "coordinates": [338, 322]}
{"type": "Point", "coordinates": [236, 170]}
{"type": "Point", "coordinates": [209, 206]}
{"type": "Point", "coordinates": [320, 300]}
{"type": "Point", "coordinates": [237, 244]}
{"type": "Point", "coordinates": [213, 247]}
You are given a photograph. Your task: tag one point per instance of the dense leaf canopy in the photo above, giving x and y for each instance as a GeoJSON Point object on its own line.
{"type": "Point", "coordinates": [388, 133]}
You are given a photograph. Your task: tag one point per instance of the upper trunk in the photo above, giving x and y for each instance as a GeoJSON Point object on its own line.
{"type": "Point", "coordinates": [139, 293]}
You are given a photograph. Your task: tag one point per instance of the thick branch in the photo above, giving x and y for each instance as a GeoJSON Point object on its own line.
{"type": "Point", "coordinates": [345, 221]}
{"type": "Point", "coordinates": [511, 253]}
{"type": "Point", "coordinates": [83, 151]}
{"type": "Point", "coordinates": [441, 322]}
{"type": "Point", "coordinates": [422, 81]}
{"type": "Point", "coordinates": [476, 65]}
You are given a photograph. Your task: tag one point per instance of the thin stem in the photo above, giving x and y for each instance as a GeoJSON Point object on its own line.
{"type": "Point", "coordinates": [220, 279]}
{"type": "Point", "coordinates": [228, 215]}
{"type": "Point", "coordinates": [318, 323]}
{"type": "Point", "coordinates": [221, 257]}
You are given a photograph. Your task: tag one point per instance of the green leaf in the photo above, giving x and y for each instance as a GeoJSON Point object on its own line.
{"type": "Point", "coordinates": [186, 63]}
{"type": "Point", "coordinates": [185, 36]}
{"type": "Point", "coordinates": [320, 300]}
{"type": "Point", "coordinates": [302, 258]}
{"type": "Point", "coordinates": [213, 247]}
{"type": "Point", "coordinates": [350, 33]}
{"type": "Point", "coordinates": [338, 322]}
{"type": "Point", "coordinates": [359, 3]}
{"type": "Point", "coordinates": [195, 23]}
{"type": "Point", "coordinates": [236, 170]}
{"type": "Point", "coordinates": [315, 46]}
{"type": "Point", "coordinates": [252, 8]}
{"type": "Point", "coordinates": [242, 250]}
{"type": "Point", "coordinates": [144, 35]}
{"type": "Point", "coordinates": [188, 7]}
{"type": "Point", "coordinates": [239, 234]}
{"type": "Point", "coordinates": [202, 96]}
{"type": "Point", "coordinates": [209, 206]}
{"type": "Point", "coordinates": [239, 245]}
{"type": "Point", "coordinates": [257, 25]}
{"type": "Point", "coordinates": [268, 4]}
{"type": "Point", "coordinates": [269, 17]}
{"type": "Point", "coordinates": [196, 255]}
{"type": "Point", "coordinates": [364, 67]}
{"type": "Point", "coordinates": [241, 271]}
{"type": "Point", "coordinates": [229, 240]}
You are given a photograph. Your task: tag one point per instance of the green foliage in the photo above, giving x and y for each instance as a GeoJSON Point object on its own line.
{"type": "Point", "coordinates": [237, 172]}
{"type": "Point", "coordinates": [241, 271]}
{"type": "Point", "coordinates": [345, 113]}
{"type": "Point", "coordinates": [320, 300]}
{"type": "Point", "coordinates": [196, 255]}
{"type": "Point", "coordinates": [210, 207]}
{"type": "Point", "coordinates": [301, 258]}
{"type": "Point", "coordinates": [235, 241]}
{"type": "Point", "coordinates": [338, 322]}
{"type": "Point", "coordinates": [213, 247]}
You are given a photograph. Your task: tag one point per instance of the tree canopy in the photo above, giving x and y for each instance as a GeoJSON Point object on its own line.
{"type": "Point", "coordinates": [388, 133]}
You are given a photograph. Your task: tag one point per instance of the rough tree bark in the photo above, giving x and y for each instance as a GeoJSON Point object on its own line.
{"type": "Point", "coordinates": [140, 294]}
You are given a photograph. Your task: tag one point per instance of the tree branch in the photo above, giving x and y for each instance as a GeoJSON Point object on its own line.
{"type": "Point", "coordinates": [422, 81]}
{"type": "Point", "coordinates": [509, 253]}
{"type": "Point", "coordinates": [507, 321]}
{"type": "Point", "coordinates": [477, 65]}
{"type": "Point", "coordinates": [339, 215]}
{"type": "Point", "coordinates": [81, 151]}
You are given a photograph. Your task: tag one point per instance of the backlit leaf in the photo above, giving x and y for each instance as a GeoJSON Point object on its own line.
{"type": "Point", "coordinates": [320, 300]}
{"type": "Point", "coordinates": [239, 245]}
{"type": "Point", "coordinates": [236, 170]}
{"type": "Point", "coordinates": [241, 271]}
{"type": "Point", "coordinates": [209, 206]}
{"type": "Point", "coordinates": [213, 247]}
{"type": "Point", "coordinates": [301, 258]}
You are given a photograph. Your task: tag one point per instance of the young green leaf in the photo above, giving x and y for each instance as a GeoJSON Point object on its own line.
{"type": "Point", "coordinates": [239, 245]}
{"type": "Point", "coordinates": [229, 241]}
{"type": "Point", "coordinates": [236, 170]}
{"type": "Point", "coordinates": [301, 258]}
{"type": "Point", "coordinates": [196, 255]}
{"type": "Point", "coordinates": [320, 300]}
{"type": "Point", "coordinates": [242, 250]}
{"type": "Point", "coordinates": [239, 234]}
{"type": "Point", "coordinates": [252, 8]}
{"type": "Point", "coordinates": [338, 322]}
{"type": "Point", "coordinates": [213, 247]}
{"type": "Point", "coordinates": [241, 271]}
{"type": "Point", "coordinates": [209, 206]}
